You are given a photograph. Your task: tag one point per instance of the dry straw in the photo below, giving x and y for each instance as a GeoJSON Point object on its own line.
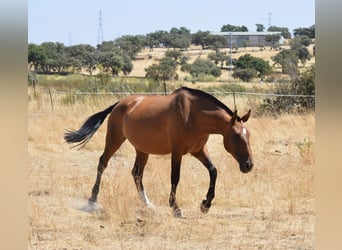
{"type": "Point", "coordinates": [270, 208]}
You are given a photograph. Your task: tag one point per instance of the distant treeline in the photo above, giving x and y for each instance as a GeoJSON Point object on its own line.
{"type": "Point", "coordinates": [116, 56]}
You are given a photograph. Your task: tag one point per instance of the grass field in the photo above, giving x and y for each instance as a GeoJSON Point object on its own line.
{"type": "Point", "coordinates": [272, 207]}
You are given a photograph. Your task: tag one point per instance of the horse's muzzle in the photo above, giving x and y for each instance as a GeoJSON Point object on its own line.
{"type": "Point", "coordinates": [246, 166]}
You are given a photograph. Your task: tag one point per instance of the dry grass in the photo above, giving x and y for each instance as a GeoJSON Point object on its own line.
{"type": "Point", "coordinates": [271, 207]}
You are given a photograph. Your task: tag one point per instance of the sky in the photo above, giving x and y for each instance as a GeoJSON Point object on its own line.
{"type": "Point", "coordinates": [74, 22]}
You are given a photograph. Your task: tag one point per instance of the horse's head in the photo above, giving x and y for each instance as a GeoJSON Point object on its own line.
{"type": "Point", "coordinates": [236, 141]}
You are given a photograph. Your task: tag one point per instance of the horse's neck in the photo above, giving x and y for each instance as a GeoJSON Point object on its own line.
{"type": "Point", "coordinates": [214, 122]}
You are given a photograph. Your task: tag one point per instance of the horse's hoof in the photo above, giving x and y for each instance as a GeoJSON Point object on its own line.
{"type": "Point", "coordinates": [204, 209]}
{"type": "Point", "coordinates": [150, 206]}
{"type": "Point", "coordinates": [92, 205]}
{"type": "Point", "coordinates": [178, 213]}
{"type": "Point", "coordinates": [92, 200]}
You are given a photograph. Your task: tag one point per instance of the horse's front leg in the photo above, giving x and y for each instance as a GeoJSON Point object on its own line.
{"type": "Point", "coordinates": [202, 156]}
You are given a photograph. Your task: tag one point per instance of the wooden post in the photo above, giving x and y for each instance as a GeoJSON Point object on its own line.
{"type": "Point", "coordinates": [234, 101]}
{"type": "Point", "coordinates": [164, 88]}
{"type": "Point", "coordinates": [51, 101]}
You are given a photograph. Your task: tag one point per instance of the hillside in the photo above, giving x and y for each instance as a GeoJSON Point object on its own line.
{"type": "Point", "coordinates": [149, 57]}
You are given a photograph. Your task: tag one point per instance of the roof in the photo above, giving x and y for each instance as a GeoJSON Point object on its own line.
{"type": "Point", "coordinates": [247, 33]}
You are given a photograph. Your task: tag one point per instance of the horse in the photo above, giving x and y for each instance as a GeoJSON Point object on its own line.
{"type": "Point", "coordinates": [178, 123]}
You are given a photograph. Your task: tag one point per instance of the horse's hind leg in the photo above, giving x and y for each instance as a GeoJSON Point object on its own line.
{"type": "Point", "coordinates": [114, 140]}
{"type": "Point", "coordinates": [137, 173]}
{"type": "Point", "coordinates": [175, 174]}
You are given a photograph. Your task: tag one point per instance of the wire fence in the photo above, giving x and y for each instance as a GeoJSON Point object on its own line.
{"type": "Point", "coordinates": [260, 102]}
{"type": "Point", "coordinates": [215, 93]}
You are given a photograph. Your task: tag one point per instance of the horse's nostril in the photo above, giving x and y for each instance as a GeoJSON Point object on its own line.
{"type": "Point", "coordinates": [249, 165]}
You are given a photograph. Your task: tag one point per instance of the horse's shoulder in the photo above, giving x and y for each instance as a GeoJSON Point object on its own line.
{"type": "Point", "coordinates": [181, 104]}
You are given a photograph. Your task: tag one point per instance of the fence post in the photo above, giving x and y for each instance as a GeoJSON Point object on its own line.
{"type": "Point", "coordinates": [51, 101]}
{"type": "Point", "coordinates": [234, 100]}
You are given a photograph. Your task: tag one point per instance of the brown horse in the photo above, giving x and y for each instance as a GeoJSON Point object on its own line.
{"type": "Point", "coordinates": [178, 123]}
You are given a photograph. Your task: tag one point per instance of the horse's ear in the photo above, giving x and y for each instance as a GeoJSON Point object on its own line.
{"type": "Point", "coordinates": [246, 116]}
{"type": "Point", "coordinates": [234, 116]}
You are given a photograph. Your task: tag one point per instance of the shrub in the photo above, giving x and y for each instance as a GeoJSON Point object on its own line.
{"type": "Point", "coordinates": [201, 67]}
{"type": "Point", "coordinates": [205, 78]}
{"type": "Point", "coordinates": [304, 86]}
{"type": "Point", "coordinates": [246, 75]}
{"type": "Point", "coordinates": [104, 78]}
{"type": "Point", "coordinates": [247, 61]}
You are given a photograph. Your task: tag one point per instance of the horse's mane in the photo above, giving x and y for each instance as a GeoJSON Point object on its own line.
{"type": "Point", "coordinates": [211, 98]}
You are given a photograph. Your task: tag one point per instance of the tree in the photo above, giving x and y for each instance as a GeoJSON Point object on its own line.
{"type": "Point", "coordinates": [310, 32]}
{"type": "Point", "coordinates": [233, 28]}
{"type": "Point", "coordinates": [260, 27]}
{"type": "Point", "coordinates": [79, 51]}
{"type": "Point", "coordinates": [128, 65]}
{"type": "Point", "coordinates": [131, 45]}
{"type": "Point", "coordinates": [208, 41]}
{"type": "Point", "coordinates": [180, 31]}
{"type": "Point", "coordinates": [36, 56]}
{"type": "Point", "coordinates": [273, 39]}
{"type": "Point", "coordinates": [179, 41]}
{"type": "Point", "coordinates": [303, 55]}
{"type": "Point", "coordinates": [106, 46]}
{"type": "Point", "coordinates": [114, 58]}
{"type": "Point", "coordinates": [201, 38]}
{"type": "Point", "coordinates": [245, 74]}
{"type": "Point", "coordinates": [284, 31]}
{"type": "Point", "coordinates": [288, 60]}
{"type": "Point", "coordinates": [178, 38]}
{"type": "Point", "coordinates": [156, 39]}
{"type": "Point", "coordinates": [112, 62]}
{"type": "Point", "coordinates": [151, 41]}
{"type": "Point", "coordinates": [218, 57]}
{"type": "Point", "coordinates": [300, 49]}
{"type": "Point", "coordinates": [164, 71]}
{"type": "Point", "coordinates": [82, 56]}
{"type": "Point", "coordinates": [301, 39]}
{"type": "Point", "coordinates": [49, 56]}
{"type": "Point", "coordinates": [216, 42]}
{"type": "Point", "coordinates": [201, 66]}
{"type": "Point", "coordinates": [56, 59]}
{"type": "Point", "coordinates": [89, 61]}
{"type": "Point", "coordinates": [175, 54]}
{"type": "Point", "coordinates": [261, 67]}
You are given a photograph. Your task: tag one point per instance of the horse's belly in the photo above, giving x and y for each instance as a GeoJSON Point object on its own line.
{"type": "Point", "coordinates": [147, 136]}
{"type": "Point", "coordinates": [150, 143]}
{"type": "Point", "coordinates": [146, 125]}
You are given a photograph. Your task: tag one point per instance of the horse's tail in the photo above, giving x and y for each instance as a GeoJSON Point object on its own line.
{"type": "Point", "coordinates": [88, 129]}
